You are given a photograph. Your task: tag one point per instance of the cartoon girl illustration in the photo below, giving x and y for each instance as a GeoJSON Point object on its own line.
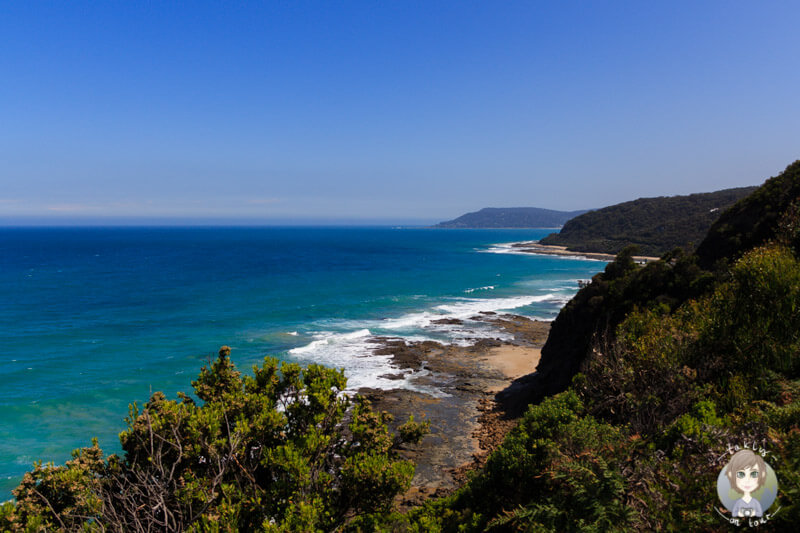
{"type": "Point", "coordinates": [746, 473]}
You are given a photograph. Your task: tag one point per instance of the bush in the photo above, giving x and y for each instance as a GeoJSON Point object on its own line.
{"type": "Point", "coordinates": [283, 449]}
{"type": "Point", "coordinates": [558, 470]}
{"type": "Point", "coordinates": [757, 314]}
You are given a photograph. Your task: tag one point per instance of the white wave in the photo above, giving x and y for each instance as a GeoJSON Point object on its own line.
{"type": "Point", "coordinates": [470, 307]}
{"type": "Point", "coordinates": [518, 248]}
{"type": "Point", "coordinates": [542, 318]}
{"type": "Point", "coordinates": [330, 339]}
{"type": "Point", "coordinates": [505, 248]}
{"type": "Point", "coordinates": [409, 321]}
{"type": "Point", "coordinates": [351, 344]}
{"type": "Point", "coordinates": [562, 299]}
{"type": "Point", "coordinates": [292, 333]}
{"type": "Point", "coordinates": [486, 288]}
{"type": "Point", "coordinates": [355, 352]}
{"type": "Point", "coordinates": [463, 309]}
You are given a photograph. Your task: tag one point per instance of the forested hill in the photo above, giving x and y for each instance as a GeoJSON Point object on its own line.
{"type": "Point", "coordinates": [655, 225]}
{"type": "Point", "coordinates": [511, 217]}
{"type": "Point", "coordinates": [661, 366]}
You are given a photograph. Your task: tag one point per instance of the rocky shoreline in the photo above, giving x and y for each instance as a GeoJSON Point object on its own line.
{"type": "Point", "coordinates": [465, 422]}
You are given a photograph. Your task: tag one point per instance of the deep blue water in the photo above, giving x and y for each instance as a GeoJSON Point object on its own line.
{"type": "Point", "coordinates": [93, 319]}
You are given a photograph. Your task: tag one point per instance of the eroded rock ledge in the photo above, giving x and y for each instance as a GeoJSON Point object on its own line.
{"type": "Point", "coordinates": [466, 423]}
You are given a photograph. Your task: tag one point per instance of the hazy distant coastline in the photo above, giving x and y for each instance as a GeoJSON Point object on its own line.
{"type": "Point", "coordinates": [511, 218]}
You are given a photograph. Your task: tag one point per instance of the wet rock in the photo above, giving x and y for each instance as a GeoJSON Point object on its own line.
{"type": "Point", "coordinates": [392, 377]}
{"type": "Point", "coordinates": [466, 424]}
{"type": "Point", "coordinates": [448, 321]}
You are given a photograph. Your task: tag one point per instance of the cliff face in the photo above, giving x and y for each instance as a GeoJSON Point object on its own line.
{"type": "Point", "coordinates": [591, 317]}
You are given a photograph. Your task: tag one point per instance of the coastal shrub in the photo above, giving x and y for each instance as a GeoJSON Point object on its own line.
{"type": "Point", "coordinates": [283, 449]}
{"type": "Point", "coordinates": [54, 497]}
{"type": "Point", "coordinates": [739, 340]}
{"type": "Point", "coordinates": [785, 445]}
{"type": "Point", "coordinates": [757, 314]}
{"type": "Point", "coordinates": [682, 383]}
{"type": "Point", "coordinates": [6, 515]}
{"type": "Point", "coordinates": [695, 425]}
{"type": "Point", "coordinates": [558, 470]}
{"type": "Point", "coordinates": [638, 377]}
{"type": "Point", "coordinates": [596, 311]}
{"type": "Point", "coordinates": [788, 232]}
{"type": "Point", "coordinates": [679, 363]}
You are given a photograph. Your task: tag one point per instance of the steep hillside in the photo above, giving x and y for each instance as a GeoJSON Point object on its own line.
{"type": "Point", "coordinates": [665, 372]}
{"type": "Point", "coordinates": [753, 220]}
{"type": "Point", "coordinates": [655, 225]}
{"type": "Point", "coordinates": [598, 308]}
{"type": "Point", "coordinates": [511, 217]}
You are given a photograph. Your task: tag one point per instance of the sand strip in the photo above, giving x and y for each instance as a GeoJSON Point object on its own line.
{"type": "Point", "coordinates": [512, 361]}
{"type": "Point", "coordinates": [549, 249]}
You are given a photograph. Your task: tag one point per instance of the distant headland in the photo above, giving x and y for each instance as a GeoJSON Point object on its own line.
{"type": "Point", "coordinates": [512, 217]}
{"type": "Point", "coordinates": [656, 225]}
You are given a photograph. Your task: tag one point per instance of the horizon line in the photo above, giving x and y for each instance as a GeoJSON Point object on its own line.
{"type": "Point", "coordinates": [145, 221]}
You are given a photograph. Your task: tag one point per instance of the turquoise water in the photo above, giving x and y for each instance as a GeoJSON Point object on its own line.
{"type": "Point", "coordinates": [93, 319]}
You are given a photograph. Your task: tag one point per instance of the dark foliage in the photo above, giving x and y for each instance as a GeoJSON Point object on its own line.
{"type": "Point", "coordinates": [771, 212]}
{"type": "Point", "coordinates": [655, 225]}
{"type": "Point", "coordinates": [677, 363]}
{"type": "Point", "coordinates": [753, 220]}
{"type": "Point", "coordinates": [281, 450]}
{"type": "Point", "coordinates": [547, 476]}
{"type": "Point", "coordinates": [636, 443]}
{"type": "Point", "coordinates": [596, 311]}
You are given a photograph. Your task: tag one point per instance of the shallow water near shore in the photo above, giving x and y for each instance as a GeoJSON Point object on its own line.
{"type": "Point", "coordinates": [95, 318]}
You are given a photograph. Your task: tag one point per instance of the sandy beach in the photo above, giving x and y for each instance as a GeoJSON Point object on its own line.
{"type": "Point", "coordinates": [466, 424]}
{"type": "Point", "coordinates": [546, 249]}
{"type": "Point", "coordinates": [512, 361]}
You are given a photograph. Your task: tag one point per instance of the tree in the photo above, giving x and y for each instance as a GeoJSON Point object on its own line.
{"type": "Point", "coordinates": [283, 449]}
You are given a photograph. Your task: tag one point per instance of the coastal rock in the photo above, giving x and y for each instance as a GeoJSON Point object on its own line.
{"type": "Point", "coordinates": [448, 321]}
{"type": "Point", "coordinates": [466, 423]}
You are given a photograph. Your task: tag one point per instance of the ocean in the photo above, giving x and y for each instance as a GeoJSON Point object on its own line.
{"type": "Point", "coordinates": [93, 319]}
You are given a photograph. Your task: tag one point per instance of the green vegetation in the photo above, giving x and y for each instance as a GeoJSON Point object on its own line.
{"type": "Point", "coordinates": [638, 439]}
{"type": "Point", "coordinates": [772, 210]}
{"type": "Point", "coordinates": [655, 225]}
{"type": "Point", "coordinates": [652, 374]}
{"type": "Point", "coordinates": [677, 364]}
{"type": "Point", "coordinates": [281, 450]}
{"type": "Point", "coordinates": [511, 217]}
{"type": "Point", "coordinates": [546, 476]}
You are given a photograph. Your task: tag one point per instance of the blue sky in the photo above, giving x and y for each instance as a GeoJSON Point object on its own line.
{"type": "Point", "coordinates": [395, 111]}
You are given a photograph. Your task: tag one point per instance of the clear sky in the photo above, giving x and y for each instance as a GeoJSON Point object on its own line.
{"type": "Point", "coordinates": [387, 110]}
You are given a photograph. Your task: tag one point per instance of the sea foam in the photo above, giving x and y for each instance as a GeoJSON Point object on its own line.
{"type": "Point", "coordinates": [353, 346]}
{"type": "Point", "coordinates": [486, 288]}
{"type": "Point", "coordinates": [162, 302]}
{"type": "Point", "coordinates": [515, 248]}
